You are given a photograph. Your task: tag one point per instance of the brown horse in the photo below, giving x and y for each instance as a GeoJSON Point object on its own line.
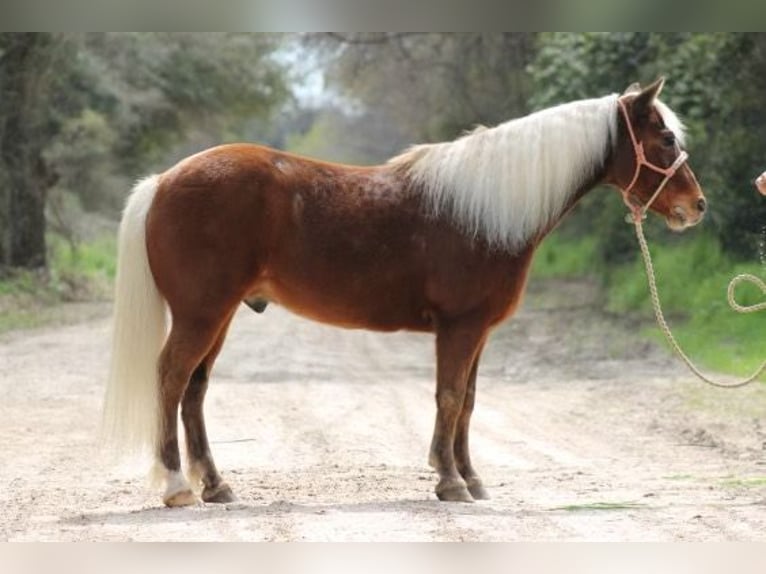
{"type": "Point", "coordinates": [437, 240]}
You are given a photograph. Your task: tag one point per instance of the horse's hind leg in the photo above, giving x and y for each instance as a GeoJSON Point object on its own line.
{"type": "Point", "coordinates": [462, 454]}
{"type": "Point", "coordinates": [187, 344]}
{"type": "Point", "coordinates": [201, 465]}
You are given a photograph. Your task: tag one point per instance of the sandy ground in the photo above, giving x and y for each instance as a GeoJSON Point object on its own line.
{"type": "Point", "coordinates": [583, 431]}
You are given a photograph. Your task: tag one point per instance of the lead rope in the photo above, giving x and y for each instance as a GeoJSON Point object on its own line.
{"type": "Point", "coordinates": [636, 220]}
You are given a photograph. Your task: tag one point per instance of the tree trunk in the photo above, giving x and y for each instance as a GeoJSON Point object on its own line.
{"type": "Point", "coordinates": [25, 124]}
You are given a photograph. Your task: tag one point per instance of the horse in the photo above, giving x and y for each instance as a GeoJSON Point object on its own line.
{"type": "Point", "coordinates": [760, 183]}
{"type": "Point", "coordinates": [437, 240]}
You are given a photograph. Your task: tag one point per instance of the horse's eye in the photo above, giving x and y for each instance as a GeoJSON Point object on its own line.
{"type": "Point", "coordinates": [669, 140]}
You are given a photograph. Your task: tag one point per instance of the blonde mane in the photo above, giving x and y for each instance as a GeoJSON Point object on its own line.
{"type": "Point", "coordinates": [507, 183]}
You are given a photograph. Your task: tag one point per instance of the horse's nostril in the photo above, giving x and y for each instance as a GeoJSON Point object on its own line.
{"type": "Point", "coordinates": [701, 205]}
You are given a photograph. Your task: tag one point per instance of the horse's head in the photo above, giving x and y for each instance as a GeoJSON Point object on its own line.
{"type": "Point", "coordinates": [649, 163]}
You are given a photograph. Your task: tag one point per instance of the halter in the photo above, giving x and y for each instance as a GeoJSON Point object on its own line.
{"type": "Point", "coordinates": [638, 212]}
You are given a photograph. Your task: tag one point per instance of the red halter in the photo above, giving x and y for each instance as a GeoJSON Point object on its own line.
{"type": "Point", "coordinates": [638, 212]}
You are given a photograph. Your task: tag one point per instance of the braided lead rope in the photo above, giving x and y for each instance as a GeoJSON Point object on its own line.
{"type": "Point", "coordinates": [636, 220]}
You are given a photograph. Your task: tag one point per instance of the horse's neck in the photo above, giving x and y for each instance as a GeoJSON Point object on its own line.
{"type": "Point", "coordinates": [600, 178]}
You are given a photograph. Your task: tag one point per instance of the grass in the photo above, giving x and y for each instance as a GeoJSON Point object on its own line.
{"type": "Point", "coordinates": [30, 299]}
{"type": "Point", "coordinates": [90, 265]}
{"type": "Point", "coordinates": [752, 482]}
{"type": "Point", "coordinates": [599, 506]}
{"type": "Point", "coordinates": [561, 258]}
{"type": "Point", "coordinates": [692, 277]}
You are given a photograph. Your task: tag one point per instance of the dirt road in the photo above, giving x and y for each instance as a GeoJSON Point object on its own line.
{"type": "Point", "coordinates": [582, 432]}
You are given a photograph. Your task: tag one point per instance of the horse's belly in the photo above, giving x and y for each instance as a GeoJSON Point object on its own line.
{"type": "Point", "coordinates": [372, 308]}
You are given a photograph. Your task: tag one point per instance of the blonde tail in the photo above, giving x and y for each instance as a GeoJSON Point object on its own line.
{"type": "Point", "coordinates": [131, 418]}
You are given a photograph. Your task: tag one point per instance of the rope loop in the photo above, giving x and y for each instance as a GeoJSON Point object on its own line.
{"type": "Point", "coordinates": [746, 278]}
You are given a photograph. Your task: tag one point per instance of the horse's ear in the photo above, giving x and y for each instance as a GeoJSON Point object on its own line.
{"type": "Point", "coordinates": [645, 98]}
{"type": "Point", "coordinates": [634, 88]}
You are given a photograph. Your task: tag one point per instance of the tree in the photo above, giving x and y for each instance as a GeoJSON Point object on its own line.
{"type": "Point", "coordinates": [719, 86]}
{"type": "Point", "coordinates": [83, 115]}
{"type": "Point", "coordinates": [433, 86]}
{"type": "Point", "coordinates": [27, 77]}
{"type": "Point", "coordinates": [159, 87]}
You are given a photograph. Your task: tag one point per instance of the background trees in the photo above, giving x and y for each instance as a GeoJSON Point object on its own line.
{"type": "Point", "coordinates": [435, 86]}
{"type": "Point", "coordinates": [82, 116]}
{"type": "Point", "coordinates": [716, 82]}
{"type": "Point", "coordinates": [27, 81]}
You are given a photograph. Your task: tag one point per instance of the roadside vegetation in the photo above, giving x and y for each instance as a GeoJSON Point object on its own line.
{"type": "Point", "coordinates": [693, 275]}
{"type": "Point", "coordinates": [81, 276]}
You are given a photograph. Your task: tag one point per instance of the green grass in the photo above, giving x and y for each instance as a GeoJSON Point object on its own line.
{"type": "Point", "coordinates": [23, 295]}
{"type": "Point", "coordinates": [91, 266]}
{"type": "Point", "coordinates": [752, 482]}
{"type": "Point", "coordinates": [561, 258]}
{"type": "Point", "coordinates": [31, 299]}
{"type": "Point", "coordinates": [692, 279]}
{"type": "Point", "coordinates": [599, 506]}
{"type": "Point", "coordinates": [692, 276]}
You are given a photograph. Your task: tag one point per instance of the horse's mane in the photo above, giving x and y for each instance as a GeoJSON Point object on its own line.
{"type": "Point", "coordinates": [506, 183]}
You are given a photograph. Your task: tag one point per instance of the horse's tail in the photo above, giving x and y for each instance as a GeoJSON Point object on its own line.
{"type": "Point", "coordinates": [131, 417]}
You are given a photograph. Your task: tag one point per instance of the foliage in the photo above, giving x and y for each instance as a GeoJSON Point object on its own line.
{"type": "Point", "coordinates": [158, 86]}
{"type": "Point", "coordinates": [716, 83]}
{"type": "Point", "coordinates": [32, 298]}
{"type": "Point", "coordinates": [433, 86]}
{"type": "Point", "coordinates": [88, 265]}
{"type": "Point", "coordinates": [693, 274]}
{"type": "Point", "coordinates": [335, 135]}
{"type": "Point", "coordinates": [100, 110]}
{"type": "Point", "coordinates": [563, 257]}
{"type": "Point", "coordinates": [82, 156]}
{"type": "Point", "coordinates": [693, 277]}
{"type": "Point", "coordinates": [576, 66]}
{"type": "Point", "coordinates": [30, 67]}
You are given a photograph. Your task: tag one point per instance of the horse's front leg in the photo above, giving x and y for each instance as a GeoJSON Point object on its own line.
{"type": "Point", "coordinates": [457, 346]}
{"type": "Point", "coordinates": [462, 454]}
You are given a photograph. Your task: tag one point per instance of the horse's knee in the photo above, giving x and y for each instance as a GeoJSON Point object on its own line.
{"type": "Point", "coordinates": [449, 400]}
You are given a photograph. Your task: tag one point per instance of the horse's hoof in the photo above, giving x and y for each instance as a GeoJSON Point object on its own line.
{"type": "Point", "coordinates": [220, 494]}
{"type": "Point", "coordinates": [181, 498]}
{"type": "Point", "coordinates": [453, 491]}
{"type": "Point", "coordinates": [477, 490]}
